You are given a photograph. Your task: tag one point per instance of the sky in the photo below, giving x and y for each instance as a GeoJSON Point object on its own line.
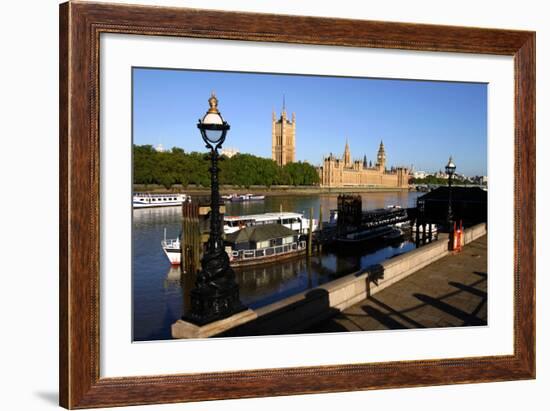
{"type": "Point", "coordinates": [421, 123]}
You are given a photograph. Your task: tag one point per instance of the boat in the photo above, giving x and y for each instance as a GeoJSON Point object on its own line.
{"type": "Point", "coordinates": [146, 200]}
{"type": "Point", "coordinates": [392, 214]}
{"type": "Point", "coordinates": [262, 244]}
{"type": "Point", "coordinates": [172, 249]}
{"type": "Point", "coordinates": [255, 197]}
{"type": "Point", "coordinates": [294, 221]}
{"type": "Point", "coordinates": [232, 224]}
{"type": "Point", "coordinates": [245, 197]}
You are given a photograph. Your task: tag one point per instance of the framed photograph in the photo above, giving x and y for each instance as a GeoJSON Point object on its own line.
{"type": "Point", "coordinates": [259, 205]}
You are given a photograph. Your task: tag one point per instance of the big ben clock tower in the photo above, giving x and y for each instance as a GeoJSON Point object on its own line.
{"type": "Point", "coordinates": [381, 157]}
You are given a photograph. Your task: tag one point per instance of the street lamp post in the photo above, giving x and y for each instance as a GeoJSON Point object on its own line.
{"type": "Point", "coordinates": [216, 294]}
{"type": "Point", "coordinates": [450, 170]}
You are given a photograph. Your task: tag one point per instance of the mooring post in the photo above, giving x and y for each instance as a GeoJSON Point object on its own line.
{"type": "Point", "coordinates": [184, 240]}
{"type": "Point", "coordinates": [199, 243]}
{"type": "Point", "coordinates": [310, 234]}
{"type": "Point", "coordinates": [423, 232]}
{"type": "Point", "coordinates": [417, 232]}
{"type": "Point", "coordinates": [319, 244]}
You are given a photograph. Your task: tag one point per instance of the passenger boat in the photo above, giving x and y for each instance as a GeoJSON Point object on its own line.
{"type": "Point", "coordinates": [294, 221]}
{"type": "Point", "coordinates": [263, 244]}
{"type": "Point", "coordinates": [144, 200]}
{"type": "Point", "coordinates": [244, 197]}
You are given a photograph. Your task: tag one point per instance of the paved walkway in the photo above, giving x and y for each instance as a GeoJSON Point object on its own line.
{"type": "Point", "coordinates": [449, 292]}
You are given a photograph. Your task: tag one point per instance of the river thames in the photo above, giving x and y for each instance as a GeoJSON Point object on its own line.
{"type": "Point", "coordinates": [159, 293]}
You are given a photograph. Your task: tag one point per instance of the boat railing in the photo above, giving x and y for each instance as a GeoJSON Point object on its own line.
{"type": "Point", "coordinates": [268, 252]}
{"type": "Point", "coordinates": [160, 195]}
{"type": "Point", "coordinates": [171, 243]}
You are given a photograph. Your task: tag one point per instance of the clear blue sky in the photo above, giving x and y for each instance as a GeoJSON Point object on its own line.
{"type": "Point", "coordinates": [420, 122]}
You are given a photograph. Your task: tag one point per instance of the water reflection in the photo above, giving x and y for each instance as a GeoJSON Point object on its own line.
{"type": "Point", "coordinates": [161, 293]}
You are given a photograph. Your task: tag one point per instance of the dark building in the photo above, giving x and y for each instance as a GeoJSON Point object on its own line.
{"type": "Point", "coordinates": [469, 204]}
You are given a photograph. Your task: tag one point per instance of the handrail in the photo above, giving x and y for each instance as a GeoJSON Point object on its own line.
{"type": "Point", "coordinates": [251, 254]}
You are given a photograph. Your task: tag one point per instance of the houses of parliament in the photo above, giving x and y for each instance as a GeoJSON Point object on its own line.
{"type": "Point", "coordinates": [336, 171]}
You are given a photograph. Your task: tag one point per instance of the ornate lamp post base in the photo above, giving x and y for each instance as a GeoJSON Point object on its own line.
{"type": "Point", "coordinates": [214, 302]}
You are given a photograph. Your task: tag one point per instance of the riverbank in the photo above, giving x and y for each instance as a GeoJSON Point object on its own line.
{"type": "Point", "coordinates": [263, 190]}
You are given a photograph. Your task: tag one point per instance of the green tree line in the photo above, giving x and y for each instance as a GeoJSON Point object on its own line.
{"type": "Point", "coordinates": [244, 170]}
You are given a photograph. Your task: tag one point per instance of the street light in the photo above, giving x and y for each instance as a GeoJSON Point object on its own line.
{"type": "Point", "coordinates": [216, 294]}
{"type": "Point", "coordinates": [450, 170]}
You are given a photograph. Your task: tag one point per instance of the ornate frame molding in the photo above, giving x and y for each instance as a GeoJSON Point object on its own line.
{"type": "Point", "coordinates": [80, 27]}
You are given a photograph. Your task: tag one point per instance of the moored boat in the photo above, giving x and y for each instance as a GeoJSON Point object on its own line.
{"type": "Point", "coordinates": [244, 197]}
{"type": "Point", "coordinates": [263, 244]}
{"type": "Point", "coordinates": [295, 221]}
{"type": "Point", "coordinates": [172, 249]}
{"type": "Point", "coordinates": [146, 200]}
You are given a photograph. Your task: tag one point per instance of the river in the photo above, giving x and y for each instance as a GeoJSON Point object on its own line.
{"type": "Point", "coordinates": [159, 297]}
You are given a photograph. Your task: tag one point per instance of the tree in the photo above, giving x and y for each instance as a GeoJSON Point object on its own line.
{"type": "Point", "coordinates": [244, 170]}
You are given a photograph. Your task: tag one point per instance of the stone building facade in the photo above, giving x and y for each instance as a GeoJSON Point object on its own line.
{"type": "Point", "coordinates": [345, 172]}
{"type": "Point", "coordinates": [283, 138]}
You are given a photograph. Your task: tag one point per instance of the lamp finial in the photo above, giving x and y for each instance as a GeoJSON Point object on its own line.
{"type": "Point", "coordinates": [213, 101]}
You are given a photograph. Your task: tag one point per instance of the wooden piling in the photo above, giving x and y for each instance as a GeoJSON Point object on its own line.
{"type": "Point", "coordinates": [423, 232]}
{"type": "Point", "coordinates": [319, 244]}
{"type": "Point", "coordinates": [191, 246]}
{"type": "Point", "coordinates": [417, 240]}
{"type": "Point", "coordinates": [310, 231]}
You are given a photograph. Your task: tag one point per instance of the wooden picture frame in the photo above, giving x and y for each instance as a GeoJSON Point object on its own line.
{"type": "Point", "coordinates": [80, 27]}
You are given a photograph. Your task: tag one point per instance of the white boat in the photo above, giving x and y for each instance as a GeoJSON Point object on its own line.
{"type": "Point", "coordinates": [172, 249]}
{"type": "Point", "coordinates": [143, 200]}
{"type": "Point", "coordinates": [295, 221]}
{"type": "Point", "coordinates": [246, 197]}
{"type": "Point", "coordinates": [255, 197]}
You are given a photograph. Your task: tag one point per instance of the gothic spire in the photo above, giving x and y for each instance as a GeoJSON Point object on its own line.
{"type": "Point", "coordinates": [347, 154]}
